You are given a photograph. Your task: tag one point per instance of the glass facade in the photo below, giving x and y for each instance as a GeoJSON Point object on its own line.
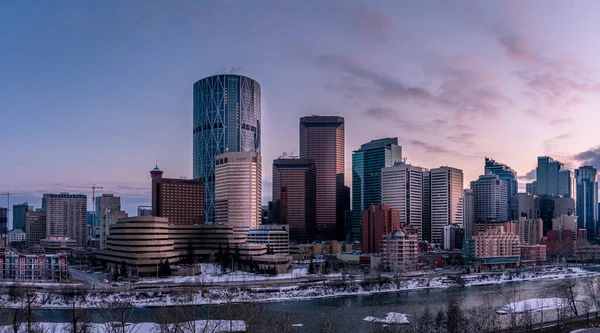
{"type": "Point", "coordinates": [507, 174]}
{"type": "Point", "coordinates": [19, 216]}
{"type": "Point", "coordinates": [587, 199]}
{"type": "Point", "coordinates": [227, 118]}
{"type": "Point", "coordinates": [367, 163]}
{"type": "Point", "coordinates": [552, 179]}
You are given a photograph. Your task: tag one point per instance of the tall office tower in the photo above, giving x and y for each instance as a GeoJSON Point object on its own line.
{"type": "Point", "coordinates": [238, 190]}
{"type": "Point", "coordinates": [402, 190]}
{"type": "Point", "coordinates": [551, 207]}
{"type": "Point", "coordinates": [295, 197]}
{"type": "Point", "coordinates": [446, 200]}
{"type": "Point", "coordinates": [179, 200]}
{"type": "Point", "coordinates": [506, 173]}
{"type": "Point", "coordinates": [35, 227]}
{"type": "Point", "coordinates": [226, 119]}
{"type": "Point", "coordinates": [468, 213]}
{"type": "Point", "coordinates": [19, 216]}
{"type": "Point", "coordinates": [548, 179]}
{"type": "Point", "coordinates": [367, 163]}
{"type": "Point", "coordinates": [377, 221]}
{"type": "Point", "coordinates": [587, 200]}
{"type": "Point", "coordinates": [66, 215]}
{"type": "Point", "coordinates": [3, 221]}
{"type": "Point", "coordinates": [426, 213]}
{"type": "Point", "coordinates": [144, 211]}
{"type": "Point", "coordinates": [490, 194]}
{"type": "Point", "coordinates": [322, 140]}
{"type": "Point", "coordinates": [565, 184]}
{"type": "Point", "coordinates": [103, 203]}
{"type": "Point", "coordinates": [525, 205]}
{"type": "Point", "coordinates": [108, 217]}
{"type": "Point", "coordinates": [531, 188]}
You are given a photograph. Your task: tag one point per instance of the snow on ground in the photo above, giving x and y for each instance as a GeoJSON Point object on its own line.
{"type": "Point", "coordinates": [199, 325]}
{"type": "Point", "coordinates": [535, 305]}
{"type": "Point", "coordinates": [542, 273]}
{"type": "Point", "coordinates": [297, 325]}
{"type": "Point", "coordinates": [390, 318]}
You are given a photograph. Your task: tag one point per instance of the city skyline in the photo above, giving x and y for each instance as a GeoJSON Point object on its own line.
{"type": "Point", "coordinates": [108, 79]}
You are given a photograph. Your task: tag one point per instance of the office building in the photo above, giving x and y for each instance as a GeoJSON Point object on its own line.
{"type": "Point", "coordinates": [446, 200]}
{"type": "Point", "coordinates": [275, 237]}
{"type": "Point", "coordinates": [181, 201]}
{"type": "Point", "coordinates": [107, 218]}
{"type": "Point", "coordinates": [566, 184]}
{"type": "Point", "coordinates": [3, 221]}
{"type": "Point", "coordinates": [377, 221]}
{"type": "Point", "coordinates": [322, 140]}
{"type": "Point", "coordinates": [35, 227]}
{"type": "Point", "coordinates": [587, 200]}
{"type": "Point", "coordinates": [553, 207]}
{"type": "Point", "coordinates": [525, 205]}
{"type": "Point", "coordinates": [426, 212]}
{"type": "Point", "coordinates": [399, 251]}
{"type": "Point", "coordinates": [142, 243]}
{"type": "Point", "coordinates": [144, 211]}
{"type": "Point", "coordinates": [367, 163]}
{"type": "Point", "coordinates": [294, 197]}
{"type": "Point", "coordinates": [227, 118]}
{"type": "Point", "coordinates": [402, 190]}
{"type": "Point", "coordinates": [19, 216]}
{"type": "Point", "coordinates": [566, 222]}
{"type": "Point", "coordinates": [58, 244]}
{"type": "Point", "coordinates": [468, 213]}
{"type": "Point", "coordinates": [453, 237]}
{"type": "Point", "coordinates": [507, 174]}
{"type": "Point", "coordinates": [530, 231]}
{"type": "Point", "coordinates": [490, 192]}
{"type": "Point", "coordinates": [552, 179]}
{"type": "Point", "coordinates": [531, 188]}
{"type": "Point", "coordinates": [66, 216]}
{"type": "Point", "coordinates": [238, 190]}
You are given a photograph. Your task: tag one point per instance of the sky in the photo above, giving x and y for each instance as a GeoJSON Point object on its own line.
{"type": "Point", "coordinates": [93, 92]}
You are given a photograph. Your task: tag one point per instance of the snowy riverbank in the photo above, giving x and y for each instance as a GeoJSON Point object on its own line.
{"type": "Point", "coordinates": [333, 288]}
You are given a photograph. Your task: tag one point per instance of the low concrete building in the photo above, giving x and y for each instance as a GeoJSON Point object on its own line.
{"type": "Point", "coordinates": [142, 243]}
{"type": "Point", "coordinates": [399, 251]}
{"type": "Point", "coordinates": [58, 244]}
{"type": "Point", "coordinates": [275, 237]}
{"type": "Point", "coordinates": [33, 267]}
{"type": "Point", "coordinates": [16, 236]}
{"type": "Point", "coordinates": [205, 239]}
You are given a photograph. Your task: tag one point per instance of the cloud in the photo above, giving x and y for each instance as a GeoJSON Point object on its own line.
{"type": "Point", "coordinates": [465, 139]}
{"type": "Point", "coordinates": [551, 144]}
{"type": "Point", "coordinates": [528, 177]}
{"type": "Point", "coordinates": [589, 157]}
{"type": "Point", "coordinates": [435, 149]}
{"type": "Point", "coordinates": [388, 114]}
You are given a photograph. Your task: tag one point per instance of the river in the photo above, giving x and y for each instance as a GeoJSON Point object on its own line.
{"type": "Point", "coordinates": [349, 311]}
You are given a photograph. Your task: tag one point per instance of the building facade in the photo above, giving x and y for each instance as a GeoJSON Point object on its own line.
{"type": "Point", "coordinates": [227, 118]}
{"type": "Point", "coordinates": [238, 190]}
{"type": "Point", "coordinates": [322, 140]}
{"type": "Point", "coordinates": [531, 188]}
{"type": "Point", "coordinates": [530, 231]}
{"type": "Point", "coordinates": [507, 174]}
{"type": "Point", "coordinates": [400, 251]}
{"type": "Point", "coordinates": [525, 205]}
{"type": "Point", "coordinates": [552, 178]}
{"type": "Point", "coordinates": [490, 193]}
{"type": "Point", "coordinates": [3, 221]}
{"type": "Point", "coordinates": [16, 236]}
{"type": "Point", "coordinates": [181, 201]}
{"type": "Point", "coordinates": [402, 190]}
{"type": "Point", "coordinates": [294, 197]}
{"type": "Point", "coordinates": [33, 267]}
{"type": "Point", "coordinates": [446, 200]}
{"type": "Point", "coordinates": [497, 248]}
{"type": "Point", "coordinates": [468, 213]}
{"type": "Point", "coordinates": [108, 217]}
{"type": "Point", "coordinates": [35, 227]}
{"type": "Point", "coordinates": [66, 215]}
{"type": "Point", "coordinates": [377, 221]}
{"type": "Point", "coordinates": [144, 210]}
{"type": "Point", "coordinates": [587, 200]}
{"type": "Point", "coordinates": [453, 237]}
{"type": "Point", "coordinates": [58, 244]}
{"type": "Point", "coordinates": [275, 237]}
{"type": "Point", "coordinates": [565, 222]}
{"type": "Point", "coordinates": [367, 163]}
{"type": "Point", "coordinates": [20, 215]}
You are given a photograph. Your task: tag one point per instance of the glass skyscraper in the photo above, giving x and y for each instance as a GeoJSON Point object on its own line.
{"type": "Point", "coordinates": [367, 163]}
{"type": "Point", "coordinates": [507, 174]}
{"type": "Point", "coordinates": [19, 216]}
{"type": "Point", "coordinates": [587, 199]}
{"type": "Point", "coordinates": [552, 179]}
{"type": "Point", "coordinates": [226, 119]}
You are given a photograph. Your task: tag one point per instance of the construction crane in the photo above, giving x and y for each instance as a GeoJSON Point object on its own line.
{"type": "Point", "coordinates": [8, 194]}
{"type": "Point", "coordinates": [94, 188]}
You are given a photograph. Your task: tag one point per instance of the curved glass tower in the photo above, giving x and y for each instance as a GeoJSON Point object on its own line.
{"type": "Point", "coordinates": [226, 119]}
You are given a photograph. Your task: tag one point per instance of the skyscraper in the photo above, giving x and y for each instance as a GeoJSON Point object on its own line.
{"type": "Point", "coordinates": [426, 200]}
{"type": "Point", "coordinates": [490, 193]}
{"type": "Point", "coordinates": [402, 190]}
{"type": "Point", "coordinates": [66, 215]}
{"type": "Point", "coordinates": [446, 200]}
{"type": "Point", "coordinates": [226, 119]}
{"type": "Point", "coordinates": [238, 190]}
{"type": "Point", "coordinates": [468, 213]}
{"type": "Point", "coordinates": [35, 227]}
{"type": "Point", "coordinates": [565, 183]}
{"type": "Point", "coordinates": [105, 204]}
{"type": "Point", "coordinates": [179, 200]}
{"type": "Point", "coordinates": [525, 205]}
{"type": "Point", "coordinates": [20, 216]}
{"type": "Point", "coordinates": [506, 173]}
{"type": "Point", "coordinates": [552, 179]}
{"type": "Point", "coordinates": [3, 221]}
{"type": "Point", "coordinates": [294, 197]}
{"type": "Point", "coordinates": [587, 200]}
{"type": "Point", "coordinates": [531, 188]}
{"type": "Point", "coordinates": [322, 140]}
{"type": "Point", "coordinates": [367, 163]}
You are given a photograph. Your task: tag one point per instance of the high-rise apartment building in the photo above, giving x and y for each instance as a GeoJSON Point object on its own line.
{"type": "Point", "coordinates": [552, 179]}
{"type": "Point", "coordinates": [35, 227]}
{"type": "Point", "coordinates": [3, 221]}
{"type": "Point", "coordinates": [322, 140]}
{"type": "Point", "coordinates": [377, 221]}
{"type": "Point", "coordinates": [227, 118]}
{"type": "Point", "coordinates": [20, 216]}
{"type": "Point", "coordinates": [402, 190]}
{"type": "Point", "coordinates": [179, 200]}
{"type": "Point", "coordinates": [468, 213]}
{"type": "Point", "coordinates": [530, 231]}
{"type": "Point", "coordinates": [66, 216]}
{"type": "Point", "coordinates": [587, 200]}
{"type": "Point", "coordinates": [525, 205]}
{"type": "Point", "coordinates": [400, 251]}
{"type": "Point", "coordinates": [446, 200]}
{"type": "Point", "coordinates": [294, 197]}
{"type": "Point", "coordinates": [507, 174]}
{"type": "Point", "coordinates": [367, 163]}
{"type": "Point", "coordinates": [107, 218]}
{"type": "Point", "coordinates": [490, 193]}
{"type": "Point", "coordinates": [238, 190]}
{"type": "Point", "coordinates": [531, 188]}
{"type": "Point", "coordinates": [105, 203]}
{"type": "Point", "coordinates": [426, 200]}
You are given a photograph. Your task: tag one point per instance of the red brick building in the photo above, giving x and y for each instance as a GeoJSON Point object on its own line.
{"type": "Point", "coordinates": [377, 221]}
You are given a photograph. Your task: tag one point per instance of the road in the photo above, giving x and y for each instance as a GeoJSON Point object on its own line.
{"type": "Point", "coordinates": [95, 281]}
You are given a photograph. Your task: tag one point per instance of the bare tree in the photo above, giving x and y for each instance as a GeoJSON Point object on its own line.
{"type": "Point", "coordinates": [591, 289]}
{"type": "Point", "coordinates": [527, 319]}
{"type": "Point", "coordinates": [587, 304]}
{"type": "Point", "coordinates": [568, 290]}
{"type": "Point", "coordinates": [117, 316]}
